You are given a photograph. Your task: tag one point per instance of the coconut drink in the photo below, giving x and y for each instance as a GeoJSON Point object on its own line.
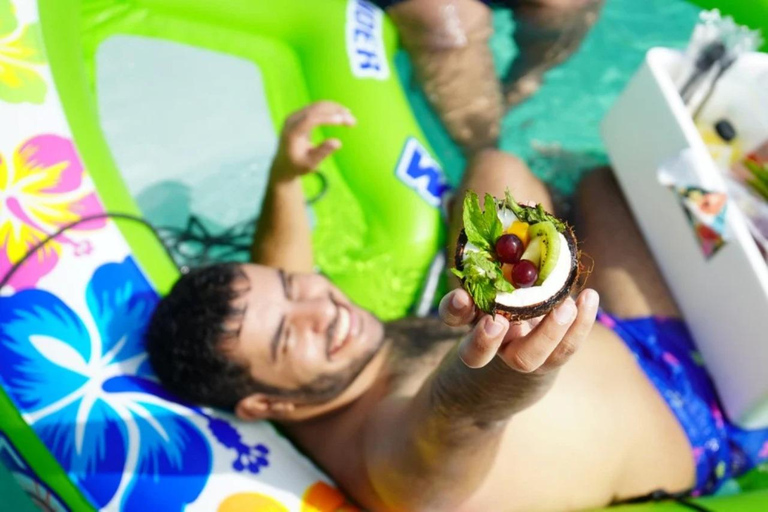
{"type": "Point", "coordinates": [515, 260]}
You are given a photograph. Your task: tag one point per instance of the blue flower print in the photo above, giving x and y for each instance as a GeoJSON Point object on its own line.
{"type": "Point", "coordinates": [83, 385]}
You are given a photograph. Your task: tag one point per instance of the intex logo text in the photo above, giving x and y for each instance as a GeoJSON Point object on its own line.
{"type": "Point", "coordinates": [365, 45]}
{"type": "Point", "coordinates": [417, 169]}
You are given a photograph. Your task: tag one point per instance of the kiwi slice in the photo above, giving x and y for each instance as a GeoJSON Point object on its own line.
{"type": "Point", "coordinates": [549, 240]}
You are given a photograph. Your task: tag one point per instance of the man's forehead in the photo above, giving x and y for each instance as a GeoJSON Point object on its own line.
{"type": "Point", "coordinates": [262, 304]}
{"type": "Point", "coordinates": [263, 280]}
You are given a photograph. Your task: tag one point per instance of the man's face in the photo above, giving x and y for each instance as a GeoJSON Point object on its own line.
{"type": "Point", "coordinates": [299, 332]}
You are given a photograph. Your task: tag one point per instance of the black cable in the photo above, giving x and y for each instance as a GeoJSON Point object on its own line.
{"type": "Point", "coordinates": [111, 215]}
{"type": "Point", "coordinates": [234, 243]}
{"type": "Point", "coordinates": [236, 240]}
{"type": "Point", "coordinates": [681, 498]}
{"type": "Point", "coordinates": [323, 188]}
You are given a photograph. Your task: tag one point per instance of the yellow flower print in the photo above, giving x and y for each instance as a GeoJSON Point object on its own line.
{"type": "Point", "coordinates": [20, 53]}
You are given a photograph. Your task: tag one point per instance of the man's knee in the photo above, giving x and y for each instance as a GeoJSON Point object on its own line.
{"type": "Point", "coordinates": [564, 5]}
{"type": "Point", "coordinates": [495, 161]}
{"type": "Point", "coordinates": [441, 24]}
{"type": "Point", "coordinates": [495, 171]}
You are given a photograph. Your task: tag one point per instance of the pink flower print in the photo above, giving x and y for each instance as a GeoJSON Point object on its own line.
{"type": "Point", "coordinates": [763, 453]}
{"type": "Point", "coordinates": [41, 190]}
{"type": "Point", "coordinates": [606, 320]}
{"type": "Point", "coordinates": [717, 414]}
{"type": "Point", "coordinates": [698, 453]}
{"type": "Point", "coordinates": [669, 358]}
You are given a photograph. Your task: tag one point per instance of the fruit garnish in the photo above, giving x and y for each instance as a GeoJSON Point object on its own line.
{"type": "Point", "coordinates": [483, 228]}
{"type": "Point", "coordinates": [506, 271]}
{"type": "Point", "coordinates": [480, 271]}
{"type": "Point", "coordinates": [532, 253]}
{"type": "Point", "coordinates": [532, 215]}
{"type": "Point", "coordinates": [501, 272]}
{"type": "Point", "coordinates": [520, 229]}
{"type": "Point", "coordinates": [524, 274]}
{"type": "Point", "coordinates": [509, 248]}
{"type": "Point", "coordinates": [550, 247]}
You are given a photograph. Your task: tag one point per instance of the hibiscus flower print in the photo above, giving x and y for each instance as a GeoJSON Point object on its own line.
{"type": "Point", "coordinates": [85, 386]}
{"type": "Point", "coordinates": [41, 190]}
{"type": "Point", "coordinates": [21, 55]}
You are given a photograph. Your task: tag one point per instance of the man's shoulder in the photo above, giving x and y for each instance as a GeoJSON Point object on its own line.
{"type": "Point", "coordinates": [413, 337]}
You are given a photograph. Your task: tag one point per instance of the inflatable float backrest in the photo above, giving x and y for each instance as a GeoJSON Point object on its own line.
{"type": "Point", "coordinates": [84, 424]}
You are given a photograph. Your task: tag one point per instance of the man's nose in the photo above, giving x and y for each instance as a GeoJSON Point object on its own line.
{"type": "Point", "coordinates": [314, 315]}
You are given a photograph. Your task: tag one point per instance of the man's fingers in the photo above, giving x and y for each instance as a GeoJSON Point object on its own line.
{"type": "Point", "coordinates": [479, 347]}
{"type": "Point", "coordinates": [320, 113]}
{"type": "Point", "coordinates": [321, 152]}
{"type": "Point", "coordinates": [527, 354]}
{"type": "Point", "coordinates": [457, 309]}
{"type": "Point", "coordinates": [518, 330]}
{"type": "Point", "coordinates": [587, 304]}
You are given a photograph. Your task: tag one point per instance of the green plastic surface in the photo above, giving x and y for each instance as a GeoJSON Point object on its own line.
{"type": "Point", "coordinates": [72, 38]}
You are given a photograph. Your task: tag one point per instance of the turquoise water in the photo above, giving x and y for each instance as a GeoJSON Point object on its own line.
{"type": "Point", "coordinates": [556, 131]}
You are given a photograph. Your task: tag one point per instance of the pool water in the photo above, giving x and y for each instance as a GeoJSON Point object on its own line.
{"type": "Point", "coordinates": [180, 162]}
{"type": "Point", "coordinates": [557, 130]}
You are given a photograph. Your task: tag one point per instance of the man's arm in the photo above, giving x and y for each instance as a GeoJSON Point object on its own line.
{"type": "Point", "coordinates": [434, 451]}
{"type": "Point", "coordinates": [283, 237]}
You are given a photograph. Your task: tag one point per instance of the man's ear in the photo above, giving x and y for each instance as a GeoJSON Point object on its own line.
{"type": "Point", "coordinates": [253, 407]}
{"type": "Point", "coordinates": [259, 406]}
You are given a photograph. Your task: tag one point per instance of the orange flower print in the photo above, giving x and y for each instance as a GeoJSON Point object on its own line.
{"type": "Point", "coordinates": [321, 497]}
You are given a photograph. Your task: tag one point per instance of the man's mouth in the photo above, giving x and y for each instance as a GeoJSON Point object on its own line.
{"type": "Point", "coordinates": [343, 329]}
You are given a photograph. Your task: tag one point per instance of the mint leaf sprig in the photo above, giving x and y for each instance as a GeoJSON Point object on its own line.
{"type": "Point", "coordinates": [532, 215]}
{"type": "Point", "coordinates": [481, 271]}
{"type": "Point", "coordinates": [482, 228]}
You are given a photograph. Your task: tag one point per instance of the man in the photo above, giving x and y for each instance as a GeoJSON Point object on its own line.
{"type": "Point", "coordinates": [447, 41]}
{"type": "Point", "coordinates": [555, 414]}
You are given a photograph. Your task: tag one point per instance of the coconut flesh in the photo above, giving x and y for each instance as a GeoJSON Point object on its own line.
{"type": "Point", "coordinates": [535, 295]}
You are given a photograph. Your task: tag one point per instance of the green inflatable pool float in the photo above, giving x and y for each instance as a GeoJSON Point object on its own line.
{"type": "Point", "coordinates": [83, 424]}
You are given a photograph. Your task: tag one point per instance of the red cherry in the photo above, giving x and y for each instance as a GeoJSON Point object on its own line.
{"type": "Point", "coordinates": [524, 274]}
{"type": "Point", "coordinates": [509, 248]}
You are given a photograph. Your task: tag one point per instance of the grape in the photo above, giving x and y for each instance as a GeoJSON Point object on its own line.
{"type": "Point", "coordinates": [509, 248]}
{"type": "Point", "coordinates": [524, 274]}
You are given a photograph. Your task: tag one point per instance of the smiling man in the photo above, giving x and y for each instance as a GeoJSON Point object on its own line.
{"type": "Point", "coordinates": [465, 414]}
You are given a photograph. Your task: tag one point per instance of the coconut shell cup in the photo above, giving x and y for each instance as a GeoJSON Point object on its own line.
{"type": "Point", "coordinates": [515, 314]}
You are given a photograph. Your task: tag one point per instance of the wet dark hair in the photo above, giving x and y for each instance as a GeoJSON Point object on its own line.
{"type": "Point", "coordinates": [187, 333]}
{"type": "Point", "coordinates": [187, 339]}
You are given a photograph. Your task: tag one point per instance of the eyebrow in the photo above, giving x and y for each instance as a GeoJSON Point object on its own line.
{"type": "Point", "coordinates": [278, 333]}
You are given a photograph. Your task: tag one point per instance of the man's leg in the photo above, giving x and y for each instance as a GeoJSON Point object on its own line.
{"type": "Point", "coordinates": [547, 33]}
{"type": "Point", "coordinates": [447, 41]}
{"type": "Point", "coordinates": [625, 273]}
{"type": "Point", "coordinates": [492, 172]}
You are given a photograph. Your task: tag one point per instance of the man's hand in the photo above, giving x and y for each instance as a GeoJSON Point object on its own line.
{"type": "Point", "coordinates": [296, 155]}
{"type": "Point", "coordinates": [538, 346]}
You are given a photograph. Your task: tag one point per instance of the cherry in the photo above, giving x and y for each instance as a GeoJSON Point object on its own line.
{"type": "Point", "coordinates": [509, 248]}
{"type": "Point", "coordinates": [524, 274]}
